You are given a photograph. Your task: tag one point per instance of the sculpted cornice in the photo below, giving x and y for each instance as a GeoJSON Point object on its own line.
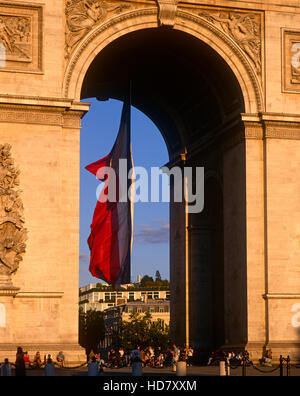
{"type": "Point", "coordinates": [282, 130]}
{"type": "Point", "coordinates": [41, 115]}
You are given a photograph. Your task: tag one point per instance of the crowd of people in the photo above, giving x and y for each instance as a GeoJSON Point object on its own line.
{"type": "Point", "coordinates": [119, 358]}
{"type": "Point", "coordinates": [23, 362]}
{"type": "Point", "coordinates": [231, 358]}
{"type": "Point", "coordinates": [149, 356]}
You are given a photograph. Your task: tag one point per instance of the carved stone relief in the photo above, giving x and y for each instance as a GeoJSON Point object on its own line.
{"type": "Point", "coordinates": [20, 37]}
{"type": "Point", "coordinates": [291, 61]}
{"type": "Point", "coordinates": [12, 232]}
{"type": "Point", "coordinates": [243, 28]}
{"type": "Point", "coordinates": [16, 37]}
{"type": "Point", "coordinates": [83, 15]}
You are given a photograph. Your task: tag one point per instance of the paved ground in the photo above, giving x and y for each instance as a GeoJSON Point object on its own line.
{"type": "Point", "coordinates": [191, 371]}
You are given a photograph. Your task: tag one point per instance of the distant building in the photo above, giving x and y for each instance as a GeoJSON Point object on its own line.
{"type": "Point", "coordinates": [100, 299]}
{"type": "Point", "coordinates": [159, 310]}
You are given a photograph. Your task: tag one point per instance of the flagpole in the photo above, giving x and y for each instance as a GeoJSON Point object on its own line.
{"type": "Point", "coordinates": [129, 148]}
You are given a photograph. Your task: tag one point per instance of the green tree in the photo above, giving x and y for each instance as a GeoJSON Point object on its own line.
{"type": "Point", "coordinates": [147, 280]}
{"type": "Point", "coordinates": [157, 276]}
{"type": "Point", "coordinates": [142, 331]}
{"type": "Point", "coordinates": [91, 329]}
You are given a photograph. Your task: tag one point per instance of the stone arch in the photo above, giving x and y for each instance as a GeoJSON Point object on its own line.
{"type": "Point", "coordinates": [96, 40]}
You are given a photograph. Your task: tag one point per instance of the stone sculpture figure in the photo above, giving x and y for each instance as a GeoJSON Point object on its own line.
{"type": "Point", "coordinates": [244, 30]}
{"type": "Point", "coordinates": [6, 35]}
{"type": "Point", "coordinates": [82, 16]}
{"type": "Point", "coordinates": [12, 232]}
{"type": "Point", "coordinates": [15, 36]}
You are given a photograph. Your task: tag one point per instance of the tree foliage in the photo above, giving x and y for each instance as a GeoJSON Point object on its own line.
{"type": "Point", "coordinates": [91, 329]}
{"type": "Point", "coordinates": [157, 276]}
{"type": "Point", "coordinates": [142, 331]}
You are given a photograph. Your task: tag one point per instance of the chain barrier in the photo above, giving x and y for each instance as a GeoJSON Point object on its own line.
{"type": "Point", "coordinates": [57, 365]}
{"type": "Point", "coordinates": [265, 371]}
{"type": "Point", "coordinates": [69, 367]}
{"type": "Point", "coordinates": [234, 367]}
{"type": "Point", "coordinates": [244, 364]}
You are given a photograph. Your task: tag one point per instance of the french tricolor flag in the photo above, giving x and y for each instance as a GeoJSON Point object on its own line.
{"type": "Point", "coordinates": [110, 241]}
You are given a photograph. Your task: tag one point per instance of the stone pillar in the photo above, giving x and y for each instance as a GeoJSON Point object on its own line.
{"type": "Point", "coordinates": [178, 276]}
{"type": "Point", "coordinates": [282, 227]}
{"type": "Point", "coordinates": [255, 236]}
{"type": "Point", "coordinates": [201, 287]}
{"type": "Point", "coordinates": [42, 312]}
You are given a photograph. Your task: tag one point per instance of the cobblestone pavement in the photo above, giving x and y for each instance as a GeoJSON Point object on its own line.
{"type": "Point", "coordinates": [191, 371]}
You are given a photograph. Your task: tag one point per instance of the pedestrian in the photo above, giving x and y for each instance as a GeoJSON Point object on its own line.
{"type": "Point", "coordinates": [20, 364]}
{"type": "Point", "coordinates": [6, 369]}
{"type": "Point", "coordinates": [60, 359]}
{"type": "Point", "coordinates": [136, 362]}
{"type": "Point", "coordinates": [93, 367]}
{"type": "Point", "coordinates": [27, 360]}
{"type": "Point", "coordinates": [49, 367]}
{"type": "Point", "coordinates": [37, 361]}
{"type": "Point", "coordinates": [190, 354]}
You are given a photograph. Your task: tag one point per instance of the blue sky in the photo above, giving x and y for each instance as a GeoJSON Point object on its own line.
{"type": "Point", "coordinates": [151, 220]}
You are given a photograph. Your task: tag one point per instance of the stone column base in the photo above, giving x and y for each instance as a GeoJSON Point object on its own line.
{"type": "Point", "coordinates": [74, 354]}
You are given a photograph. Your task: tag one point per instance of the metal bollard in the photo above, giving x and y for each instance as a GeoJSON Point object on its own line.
{"type": "Point", "coordinates": [288, 366]}
{"type": "Point", "coordinates": [222, 369]}
{"type": "Point", "coordinates": [227, 369]}
{"type": "Point", "coordinates": [181, 369]}
{"type": "Point", "coordinates": [244, 368]}
{"type": "Point", "coordinates": [281, 366]}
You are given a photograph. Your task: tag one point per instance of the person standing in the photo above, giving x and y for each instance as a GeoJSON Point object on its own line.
{"type": "Point", "coordinates": [49, 368]}
{"type": "Point", "coordinates": [93, 367]}
{"type": "Point", "coordinates": [20, 364]}
{"type": "Point", "coordinates": [136, 362]}
{"type": "Point", "coordinates": [6, 369]}
{"type": "Point", "coordinates": [175, 354]}
{"type": "Point", "coordinates": [190, 354]}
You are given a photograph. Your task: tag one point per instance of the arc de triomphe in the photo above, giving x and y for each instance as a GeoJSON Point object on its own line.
{"type": "Point", "coordinates": [221, 80]}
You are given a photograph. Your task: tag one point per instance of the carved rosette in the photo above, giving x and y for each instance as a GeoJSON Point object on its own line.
{"type": "Point", "coordinates": [83, 15]}
{"type": "Point", "coordinates": [13, 235]}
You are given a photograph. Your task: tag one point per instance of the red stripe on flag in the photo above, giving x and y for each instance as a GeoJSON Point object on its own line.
{"type": "Point", "coordinates": [110, 238]}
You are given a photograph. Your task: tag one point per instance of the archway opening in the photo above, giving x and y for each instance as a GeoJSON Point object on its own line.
{"type": "Point", "coordinates": [195, 100]}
